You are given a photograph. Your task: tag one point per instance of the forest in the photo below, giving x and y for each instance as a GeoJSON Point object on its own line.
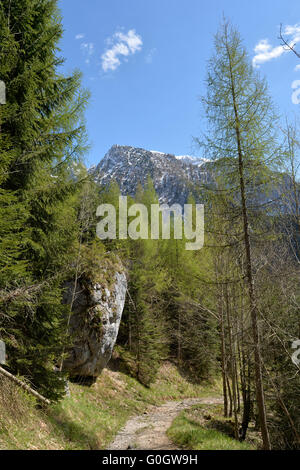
{"type": "Point", "coordinates": [229, 311]}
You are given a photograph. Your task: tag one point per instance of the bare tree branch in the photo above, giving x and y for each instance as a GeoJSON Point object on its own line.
{"type": "Point", "coordinates": [284, 43]}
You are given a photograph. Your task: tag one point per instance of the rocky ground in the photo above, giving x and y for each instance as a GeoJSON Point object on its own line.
{"type": "Point", "coordinates": [148, 431]}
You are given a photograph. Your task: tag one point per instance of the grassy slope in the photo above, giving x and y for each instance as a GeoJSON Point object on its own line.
{"type": "Point", "coordinates": [203, 428]}
{"type": "Point", "coordinates": [91, 417]}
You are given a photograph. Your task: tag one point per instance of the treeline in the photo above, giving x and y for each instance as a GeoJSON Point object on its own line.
{"type": "Point", "coordinates": [163, 317]}
{"type": "Point", "coordinates": [231, 308]}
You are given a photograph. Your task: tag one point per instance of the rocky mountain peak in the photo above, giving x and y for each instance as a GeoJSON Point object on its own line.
{"type": "Point", "coordinates": [173, 176]}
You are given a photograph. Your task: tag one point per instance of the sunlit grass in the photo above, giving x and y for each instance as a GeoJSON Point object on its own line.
{"type": "Point", "coordinates": [190, 433]}
{"type": "Point", "coordinates": [91, 417]}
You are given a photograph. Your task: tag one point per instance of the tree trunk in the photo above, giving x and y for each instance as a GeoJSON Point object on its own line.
{"type": "Point", "coordinates": [223, 355]}
{"type": "Point", "coordinates": [232, 364]}
{"type": "Point", "coordinates": [230, 396]}
{"type": "Point", "coordinates": [260, 397]}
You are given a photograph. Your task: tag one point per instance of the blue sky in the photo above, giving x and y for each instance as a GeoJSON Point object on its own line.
{"type": "Point", "coordinates": [144, 62]}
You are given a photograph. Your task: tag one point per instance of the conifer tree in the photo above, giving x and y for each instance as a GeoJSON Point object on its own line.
{"type": "Point", "coordinates": [42, 133]}
{"type": "Point", "coordinates": [144, 311]}
{"type": "Point", "coordinates": [242, 140]}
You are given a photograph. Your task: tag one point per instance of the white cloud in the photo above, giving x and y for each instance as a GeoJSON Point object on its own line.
{"type": "Point", "coordinates": [79, 36]}
{"type": "Point", "coordinates": [262, 47]}
{"type": "Point", "coordinates": [88, 50]}
{"type": "Point", "coordinates": [297, 68]}
{"type": "Point", "coordinates": [122, 45]}
{"type": "Point", "coordinates": [293, 31]}
{"type": "Point", "coordinates": [264, 51]}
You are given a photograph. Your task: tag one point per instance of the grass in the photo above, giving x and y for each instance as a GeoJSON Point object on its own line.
{"type": "Point", "coordinates": [91, 416]}
{"type": "Point", "coordinates": [200, 428]}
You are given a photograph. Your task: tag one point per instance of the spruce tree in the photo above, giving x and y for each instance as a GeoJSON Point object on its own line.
{"type": "Point", "coordinates": [42, 134]}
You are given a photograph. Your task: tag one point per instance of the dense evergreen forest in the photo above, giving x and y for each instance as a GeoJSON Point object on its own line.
{"type": "Point", "coordinates": [229, 310]}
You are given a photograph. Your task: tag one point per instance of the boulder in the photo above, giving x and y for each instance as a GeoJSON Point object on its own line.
{"type": "Point", "coordinates": [94, 322]}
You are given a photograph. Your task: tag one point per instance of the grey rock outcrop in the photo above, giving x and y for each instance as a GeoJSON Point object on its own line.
{"type": "Point", "coordinates": [94, 323]}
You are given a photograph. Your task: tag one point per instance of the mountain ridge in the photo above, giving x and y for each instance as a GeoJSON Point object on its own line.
{"type": "Point", "coordinates": [173, 176]}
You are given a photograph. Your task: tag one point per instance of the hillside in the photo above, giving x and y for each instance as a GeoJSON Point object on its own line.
{"type": "Point", "coordinates": [91, 416]}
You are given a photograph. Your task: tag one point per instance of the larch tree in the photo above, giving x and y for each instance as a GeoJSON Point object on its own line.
{"type": "Point", "coordinates": [241, 138]}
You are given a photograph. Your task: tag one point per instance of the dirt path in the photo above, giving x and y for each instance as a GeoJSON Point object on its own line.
{"type": "Point", "coordinates": [148, 431]}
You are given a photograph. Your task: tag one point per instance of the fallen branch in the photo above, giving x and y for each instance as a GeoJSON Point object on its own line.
{"type": "Point", "coordinates": [24, 386]}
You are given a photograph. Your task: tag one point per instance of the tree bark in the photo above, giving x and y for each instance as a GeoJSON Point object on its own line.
{"type": "Point", "coordinates": [232, 364]}
{"type": "Point", "coordinates": [223, 355]}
